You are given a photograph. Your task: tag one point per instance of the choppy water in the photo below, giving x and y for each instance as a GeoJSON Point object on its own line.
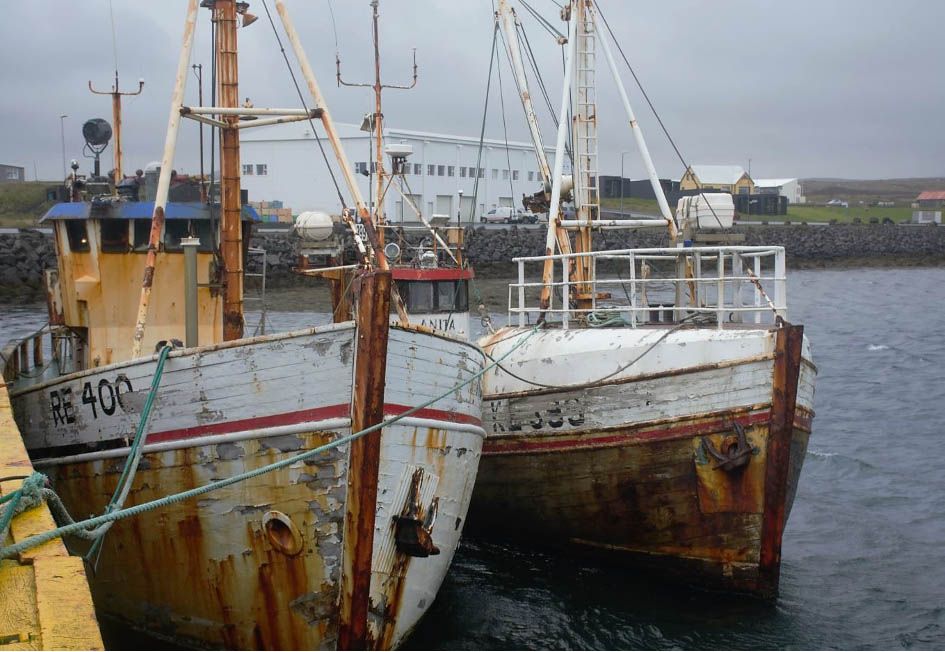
{"type": "Point", "coordinates": [864, 551]}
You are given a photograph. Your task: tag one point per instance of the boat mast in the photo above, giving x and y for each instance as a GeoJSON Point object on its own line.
{"type": "Point", "coordinates": [231, 237]}
{"type": "Point", "coordinates": [584, 146]}
{"type": "Point", "coordinates": [508, 20]}
{"type": "Point", "coordinates": [116, 121]}
{"type": "Point", "coordinates": [555, 202]}
{"type": "Point", "coordinates": [164, 179]}
{"type": "Point", "coordinates": [378, 117]}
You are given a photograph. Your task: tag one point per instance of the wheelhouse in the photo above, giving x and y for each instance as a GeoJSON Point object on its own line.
{"type": "Point", "coordinates": [94, 291]}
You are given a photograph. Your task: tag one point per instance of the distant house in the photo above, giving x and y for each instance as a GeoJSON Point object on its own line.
{"type": "Point", "coordinates": [790, 188]}
{"type": "Point", "coordinates": [722, 178]}
{"type": "Point", "coordinates": [12, 173]}
{"type": "Point", "coordinates": [929, 205]}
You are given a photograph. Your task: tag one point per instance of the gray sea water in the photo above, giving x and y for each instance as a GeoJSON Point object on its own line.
{"type": "Point", "coordinates": [864, 550]}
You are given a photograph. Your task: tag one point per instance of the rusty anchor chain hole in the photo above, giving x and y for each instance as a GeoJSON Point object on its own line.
{"type": "Point", "coordinates": [734, 451]}
{"type": "Point", "coordinates": [413, 530]}
{"type": "Point", "coordinates": [282, 533]}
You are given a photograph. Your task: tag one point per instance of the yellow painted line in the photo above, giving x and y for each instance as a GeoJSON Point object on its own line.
{"type": "Point", "coordinates": [44, 595]}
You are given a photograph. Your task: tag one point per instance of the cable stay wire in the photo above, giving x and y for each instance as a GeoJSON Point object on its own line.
{"type": "Point", "coordinates": [544, 22]}
{"type": "Point", "coordinates": [482, 130]}
{"type": "Point", "coordinates": [533, 62]}
{"type": "Point", "coordinates": [505, 131]}
{"type": "Point", "coordinates": [636, 79]}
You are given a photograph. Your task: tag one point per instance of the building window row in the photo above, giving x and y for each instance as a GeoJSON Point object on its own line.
{"type": "Point", "coordinates": [432, 170]}
{"type": "Point", "coordinates": [259, 169]}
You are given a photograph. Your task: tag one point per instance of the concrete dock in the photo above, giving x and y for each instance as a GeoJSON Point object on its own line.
{"type": "Point", "coordinates": [44, 595]}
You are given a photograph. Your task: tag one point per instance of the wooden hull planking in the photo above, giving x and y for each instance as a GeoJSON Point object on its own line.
{"type": "Point", "coordinates": [259, 564]}
{"type": "Point", "coordinates": [620, 468]}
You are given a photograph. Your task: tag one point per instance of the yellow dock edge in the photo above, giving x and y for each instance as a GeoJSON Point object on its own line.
{"type": "Point", "coordinates": [45, 603]}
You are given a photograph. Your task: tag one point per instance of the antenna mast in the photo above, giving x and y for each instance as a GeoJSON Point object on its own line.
{"type": "Point", "coordinates": [116, 120]}
{"type": "Point", "coordinates": [378, 115]}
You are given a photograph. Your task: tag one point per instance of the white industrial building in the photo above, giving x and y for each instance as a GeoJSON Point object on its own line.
{"type": "Point", "coordinates": [282, 163]}
{"type": "Point", "coordinates": [790, 188]}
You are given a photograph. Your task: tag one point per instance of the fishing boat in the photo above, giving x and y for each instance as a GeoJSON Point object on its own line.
{"type": "Point", "coordinates": [341, 457]}
{"type": "Point", "coordinates": [660, 417]}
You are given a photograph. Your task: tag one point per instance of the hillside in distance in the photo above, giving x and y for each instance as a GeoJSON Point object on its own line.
{"type": "Point", "coordinates": [820, 190]}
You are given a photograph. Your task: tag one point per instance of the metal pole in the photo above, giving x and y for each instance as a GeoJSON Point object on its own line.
{"type": "Point", "coordinates": [62, 137]}
{"type": "Point", "coordinates": [190, 290]}
{"type": "Point", "coordinates": [638, 135]}
{"type": "Point", "coordinates": [231, 227]}
{"type": "Point", "coordinates": [508, 20]}
{"type": "Point", "coordinates": [164, 180]}
{"type": "Point", "coordinates": [198, 70]}
{"type": "Point", "coordinates": [116, 125]}
{"type": "Point", "coordinates": [622, 155]}
{"type": "Point", "coordinates": [553, 217]}
{"type": "Point", "coordinates": [378, 126]}
{"type": "Point", "coordinates": [116, 118]}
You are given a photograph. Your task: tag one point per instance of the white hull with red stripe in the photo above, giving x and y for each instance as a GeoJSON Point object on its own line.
{"type": "Point", "coordinates": [210, 571]}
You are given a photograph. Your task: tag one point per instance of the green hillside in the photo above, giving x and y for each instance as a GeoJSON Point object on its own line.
{"type": "Point", "coordinates": [23, 203]}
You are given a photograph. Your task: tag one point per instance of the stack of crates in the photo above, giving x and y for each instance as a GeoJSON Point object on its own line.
{"type": "Point", "coordinates": [272, 211]}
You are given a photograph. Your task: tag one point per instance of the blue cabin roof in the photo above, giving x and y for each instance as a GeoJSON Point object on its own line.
{"type": "Point", "coordinates": [135, 210]}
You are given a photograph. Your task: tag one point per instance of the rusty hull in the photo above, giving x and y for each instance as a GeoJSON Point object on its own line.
{"type": "Point", "coordinates": [650, 499]}
{"type": "Point", "coordinates": [206, 571]}
{"type": "Point", "coordinates": [651, 494]}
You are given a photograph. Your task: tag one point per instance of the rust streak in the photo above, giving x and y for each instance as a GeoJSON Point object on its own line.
{"type": "Point", "coordinates": [367, 409]}
{"type": "Point", "coordinates": [787, 365]}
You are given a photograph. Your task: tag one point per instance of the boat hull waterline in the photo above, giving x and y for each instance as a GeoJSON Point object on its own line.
{"type": "Point", "coordinates": [633, 467]}
{"type": "Point", "coordinates": [259, 564]}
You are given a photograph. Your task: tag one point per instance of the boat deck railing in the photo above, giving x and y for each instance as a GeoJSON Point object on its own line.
{"type": "Point", "coordinates": [638, 287]}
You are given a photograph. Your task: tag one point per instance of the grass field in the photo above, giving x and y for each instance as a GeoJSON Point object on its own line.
{"type": "Point", "coordinates": [633, 204]}
{"type": "Point", "coordinates": [796, 213]}
{"type": "Point", "coordinates": [23, 203]}
{"type": "Point", "coordinates": [811, 213]}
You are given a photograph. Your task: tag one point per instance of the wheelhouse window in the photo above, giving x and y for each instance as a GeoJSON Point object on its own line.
{"type": "Point", "coordinates": [451, 296]}
{"type": "Point", "coordinates": [434, 296]}
{"type": "Point", "coordinates": [141, 233]}
{"type": "Point", "coordinates": [115, 236]}
{"type": "Point", "coordinates": [78, 235]}
{"type": "Point", "coordinates": [175, 230]}
{"type": "Point", "coordinates": [247, 169]}
{"type": "Point", "coordinates": [262, 169]}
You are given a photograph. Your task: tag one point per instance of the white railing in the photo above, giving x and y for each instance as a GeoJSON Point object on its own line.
{"type": "Point", "coordinates": [728, 284]}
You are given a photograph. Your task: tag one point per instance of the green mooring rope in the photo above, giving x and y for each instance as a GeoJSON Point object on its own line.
{"type": "Point", "coordinates": [110, 517]}
{"type": "Point", "coordinates": [28, 496]}
{"type": "Point", "coordinates": [134, 455]}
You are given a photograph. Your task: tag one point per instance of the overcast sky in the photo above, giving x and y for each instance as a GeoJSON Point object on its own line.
{"type": "Point", "coordinates": [838, 88]}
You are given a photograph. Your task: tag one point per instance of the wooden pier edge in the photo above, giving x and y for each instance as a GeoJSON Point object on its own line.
{"type": "Point", "coordinates": [45, 601]}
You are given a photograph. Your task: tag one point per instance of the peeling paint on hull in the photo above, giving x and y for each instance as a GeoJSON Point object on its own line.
{"type": "Point", "coordinates": [214, 571]}
{"type": "Point", "coordinates": [621, 469]}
